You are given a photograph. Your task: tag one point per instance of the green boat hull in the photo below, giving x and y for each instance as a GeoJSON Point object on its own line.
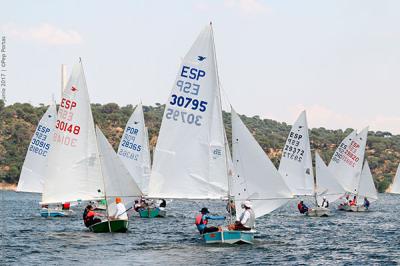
{"type": "Point", "coordinates": [116, 226]}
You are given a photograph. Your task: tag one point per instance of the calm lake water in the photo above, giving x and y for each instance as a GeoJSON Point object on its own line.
{"type": "Point", "coordinates": [284, 237]}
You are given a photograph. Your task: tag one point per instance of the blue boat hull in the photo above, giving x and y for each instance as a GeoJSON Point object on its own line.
{"type": "Point", "coordinates": [55, 213]}
{"type": "Point", "coordinates": [229, 237]}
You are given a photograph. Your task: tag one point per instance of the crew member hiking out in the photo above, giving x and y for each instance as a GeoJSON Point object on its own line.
{"type": "Point", "coordinates": [202, 220]}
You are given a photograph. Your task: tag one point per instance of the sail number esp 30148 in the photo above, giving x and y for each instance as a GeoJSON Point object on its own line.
{"type": "Point", "coordinates": [184, 102]}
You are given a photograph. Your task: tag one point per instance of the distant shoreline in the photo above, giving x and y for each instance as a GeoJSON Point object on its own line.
{"type": "Point", "coordinates": [7, 186]}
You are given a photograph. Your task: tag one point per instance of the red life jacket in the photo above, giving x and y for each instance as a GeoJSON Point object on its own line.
{"type": "Point", "coordinates": [199, 220]}
{"type": "Point", "coordinates": [66, 206]}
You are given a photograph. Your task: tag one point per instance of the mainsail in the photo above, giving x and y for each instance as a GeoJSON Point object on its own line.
{"type": "Point", "coordinates": [296, 162]}
{"type": "Point", "coordinates": [395, 188]}
{"type": "Point", "coordinates": [256, 178]}
{"type": "Point", "coordinates": [34, 167]}
{"type": "Point", "coordinates": [190, 156]}
{"type": "Point", "coordinates": [133, 149]}
{"type": "Point", "coordinates": [73, 171]}
{"type": "Point", "coordinates": [346, 163]}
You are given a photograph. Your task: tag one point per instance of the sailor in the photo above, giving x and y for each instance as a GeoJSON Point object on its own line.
{"type": "Point", "coordinates": [353, 202]}
{"type": "Point", "coordinates": [302, 207]}
{"type": "Point", "coordinates": [120, 210]}
{"type": "Point", "coordinates": [89, 216]}
{"type": "Point", "coordinates": [230, 207]}
{"type": "Point", "coordinates": [366, 203]}
{"type": "Point", "coordinates": [66, 206]}
{"type": "Point", "coordinates": [247, 219]}
{"type": "Point", "coordinates": [163, 204]}
{"type": "Point", "coordinates": [202, 220]}
{"type": "Point", "coordinates": [325, 203]}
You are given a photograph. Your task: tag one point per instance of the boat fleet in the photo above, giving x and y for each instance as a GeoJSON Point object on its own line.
{"type": "Point", "coordinates": [69, 160]}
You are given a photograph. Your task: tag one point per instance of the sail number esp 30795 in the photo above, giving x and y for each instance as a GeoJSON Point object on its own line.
{"type": "Point", "coordinates": [184, 104]}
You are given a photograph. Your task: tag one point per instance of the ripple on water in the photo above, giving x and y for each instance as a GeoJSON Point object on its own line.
{"type": "Point", "coordinates": [284, 237]}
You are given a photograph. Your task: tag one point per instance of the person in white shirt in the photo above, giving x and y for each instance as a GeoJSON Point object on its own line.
{"type": "Point", "coordinates": [246, 221]}
{"type": "Point", "coordinates": [120, 211]}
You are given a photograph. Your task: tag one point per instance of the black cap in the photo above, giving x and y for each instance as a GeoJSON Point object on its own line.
{"type": "Point", "coordinates": [204, 210]}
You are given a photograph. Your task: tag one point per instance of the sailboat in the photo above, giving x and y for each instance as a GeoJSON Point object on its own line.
{"type": "Point", "coordinates": [296, 163]}
{"type": "Point", "coordinates": [365, 189]}
{"type": "Point", "coordinates": [34, 167]}
{"type": "Point", "coordinates": [347, 162]}
{"type": "Point", "coordinates": [191, 159]}
{"type": "Point", "coordinates": [325, 186]}
{"type": "Point", "coordinates": [76, 171]}
{"type": "Point", "coordinates": [395, 187]}
{"type": "Point", "coordinates": [117, 182]}
{"type": "Point", "coordinates": [134, 152]}
{"type": "Point", "coordinates": [255, 179]}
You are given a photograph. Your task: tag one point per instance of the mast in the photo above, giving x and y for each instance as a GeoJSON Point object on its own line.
{"type": "Point", "coordinates": [226, 144]}
{"type": "Point", "coordinates": [63, 77]}
{"type": "Point", "coordinates": [104, 188]}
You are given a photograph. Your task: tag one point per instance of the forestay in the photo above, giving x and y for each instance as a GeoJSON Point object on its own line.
{"type": "Point", "coordinates": [133, 149]}
{"type": "Point", "coordinates": [366, 187]}
{"type": "Point", "coordinates": [118, 181]}
{"type": "Point", "coordinates": [346, 163]}
{"type": "Point", "coordinates": [395, 188]}
{"type": "Point", "coordinates": [34, 167]}
{"type": "Point", "coordinates": [326, 184]}
{"type": "Point", "coordinates": [296, 162]}
{"type": "Point", "coordinates": [256, 178]}
{"type": "Point", "coordinates": [190, 159]}
{"type": "Point", "coordinates": [73, 171]}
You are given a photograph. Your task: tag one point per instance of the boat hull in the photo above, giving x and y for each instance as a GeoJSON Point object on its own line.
{"type": "Point", "coordinates": [318, 212]}
{"type": "Point", "coordinates": [152, 213]}
{"type": "Point", "coordinates": [229, 237]}
{"type": "Point", "coordinates": [116, 226]}
{"type": "Point", "coordinates": [55, 213]}
{"type": "Point", "coordinates": [352, 208]}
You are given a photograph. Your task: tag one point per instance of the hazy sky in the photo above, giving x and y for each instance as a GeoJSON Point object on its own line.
{"type": "Point", "coordinates": [339, 60]}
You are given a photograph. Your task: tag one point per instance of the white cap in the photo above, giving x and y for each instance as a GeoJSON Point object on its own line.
{"type": "Point", "coordinates": [247, 204]}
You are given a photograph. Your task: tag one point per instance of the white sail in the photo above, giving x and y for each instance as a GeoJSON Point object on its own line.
{"type": "Point", "coordinates": [346, 163]}
{"type": "Point", "coordinates": [256, 178]}
{"type": "Point", "coordinates": [133, 149]}
{"type": "Point", "coordinates": [326, 184]}
{"type": "Point", "coordinates": [296, 162]}
{"type": "Point", "coordinates": [366, 187]}
{"type": "Point", "coordinates": [118, 181]}
{"type": "Point", "coordinates": [395, 188]}
{"type": "Point", "coordinates": [34, 167]}
{"type": "Point", "coordinates": [189, 159]}
{"type": "Point", "coordinates": [73, 171]}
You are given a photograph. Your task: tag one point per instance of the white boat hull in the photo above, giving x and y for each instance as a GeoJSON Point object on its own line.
{"type": "Point", "coordinates": [352, 208]}
{"type": "Point", "coordinates": [319, 212]}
